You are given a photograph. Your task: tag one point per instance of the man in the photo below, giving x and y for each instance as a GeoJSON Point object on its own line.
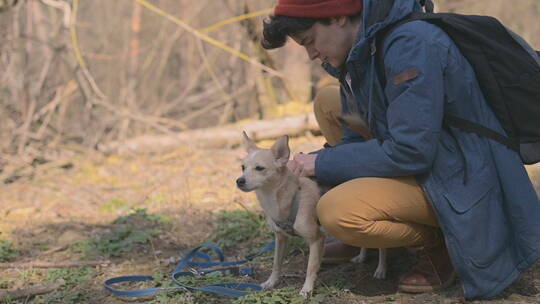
{"type": "Point", "coordinates": [466, 199]}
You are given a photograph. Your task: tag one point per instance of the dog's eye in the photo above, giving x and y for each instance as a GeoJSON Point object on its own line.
{"type": "Point", "coordinates": [259, 168]}
{"type": "Point", "coordinates": [243, 168]}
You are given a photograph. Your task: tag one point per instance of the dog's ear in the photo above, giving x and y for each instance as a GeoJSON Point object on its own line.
{"type": "Point", "coordinates": [249, 144]}
{"type": "Point", "coordinates": [355, 122]}
{"type": "Point", "coordinates": [281, 150]}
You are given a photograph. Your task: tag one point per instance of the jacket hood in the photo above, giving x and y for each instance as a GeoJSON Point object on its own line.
{"type": "Point", "coordinates": [377, 14]}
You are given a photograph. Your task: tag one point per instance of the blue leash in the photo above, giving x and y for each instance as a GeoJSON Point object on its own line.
{"type": "Point", "coordinates": [234, 290]}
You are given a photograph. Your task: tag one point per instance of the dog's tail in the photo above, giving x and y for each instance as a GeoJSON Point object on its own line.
{"type": "Point", "coordinates": [355, 122]}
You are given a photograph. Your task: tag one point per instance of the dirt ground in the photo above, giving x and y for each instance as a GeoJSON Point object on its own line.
{"type": "Point", "coordinates": [143, 211]}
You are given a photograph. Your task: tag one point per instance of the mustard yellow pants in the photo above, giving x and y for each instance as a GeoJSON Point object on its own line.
{"type": "Point", "coordinates": [371, 212]}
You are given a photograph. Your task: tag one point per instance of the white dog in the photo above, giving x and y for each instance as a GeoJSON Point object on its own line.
{"type": "Point", "coordinates": [289, 203]}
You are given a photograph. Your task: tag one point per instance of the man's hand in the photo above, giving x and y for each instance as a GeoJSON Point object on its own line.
{"type": "Point", "coordinates": [303, 164]}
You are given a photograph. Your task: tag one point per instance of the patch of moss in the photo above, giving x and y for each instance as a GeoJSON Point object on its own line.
{"type": "Point", "coordinates": [7, 251]}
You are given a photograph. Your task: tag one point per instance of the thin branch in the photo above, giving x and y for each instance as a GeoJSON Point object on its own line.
{"type": "Point", "coordinates": [41, 264]}
{"type": "Point", "coordinates": [228, 98]}
{"type": "Point", "coordinates": [25, 128]}
{"type": "Point", "coordinates": [22, 293]}
{"type": "Point", "coordinates": [64, 6]}
{"type": "Point", "coordinates": [214, 105]}
{"type": "Point", "coordinates": [209, 39]}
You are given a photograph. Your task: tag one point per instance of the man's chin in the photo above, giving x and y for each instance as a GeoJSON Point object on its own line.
{"type": "Point", "coordinates": [333, 64]}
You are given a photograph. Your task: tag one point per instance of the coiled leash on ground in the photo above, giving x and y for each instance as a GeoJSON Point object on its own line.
{"type": "Point", "coordinates": [234, 290]}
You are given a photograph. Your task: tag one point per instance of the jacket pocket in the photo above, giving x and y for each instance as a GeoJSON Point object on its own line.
{"type": "Point", "coordinates": [478, 219]}
{"type": "Point", "coordinates": [464, 197]}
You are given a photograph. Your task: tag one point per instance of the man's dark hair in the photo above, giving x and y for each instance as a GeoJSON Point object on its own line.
{"type": "Point", "coordinates": [277, 28]}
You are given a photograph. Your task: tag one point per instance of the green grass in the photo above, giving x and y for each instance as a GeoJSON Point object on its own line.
{"type": "Point", "coordinates": [127, 233]}
{"type": "Point", "coordinates": [73, 288]}
{"type": "Point", "coordinates": [74, 282]}
{"type": "Point", "coordinates": [5, 282]}
{"type": "Point", "coordinates": [7, 251]}
{"type": "Point", "coordinates": [234, 229]}
{"type": "Point", "coordinates": [123, 239]}
{"type": "Point", "coordinates": [191, 296]}
{"type": "Point", "coordinates": [290, 295]}
{"type": "Point", "coordinates": [114, 205]}
{"type": "Point", "coordinates": [157, 198]}
{"type": "Point", "coordinates": [139, 214]}
{"type": "Point", "coordinates": [298, 245]}
{"type": "Point", "coordinates": [237, 228]}
{"type": "Point", "coordinates": [276, 296]}
{"type": "Point", "coordinates": [71, 276]}
{"type": "Point", "coordinates": [241, 229]}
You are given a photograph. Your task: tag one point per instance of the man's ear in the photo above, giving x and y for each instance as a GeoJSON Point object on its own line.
{"type": "Point", "coordinates": [249, 144]}
{"type": "Point", "coordinates": [341, 20]}
{"type": "Point", "coordinates": [281, 150]}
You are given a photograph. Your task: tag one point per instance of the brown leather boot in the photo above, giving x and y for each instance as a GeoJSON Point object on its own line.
{"type": "Point", "coordinates": [337, 252]}
{"type": "Point", "coordinates": [433, 270]}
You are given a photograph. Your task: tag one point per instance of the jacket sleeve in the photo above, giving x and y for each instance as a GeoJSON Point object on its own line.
{"type": "Point", "coordinates": [414, 67]}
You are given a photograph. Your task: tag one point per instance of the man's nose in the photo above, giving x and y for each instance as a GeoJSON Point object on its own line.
{"type": "Point", "coordinates": [240, 181]}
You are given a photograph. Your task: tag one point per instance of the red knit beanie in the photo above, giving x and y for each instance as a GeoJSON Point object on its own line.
{"type": "Point", "coordinates": [318, 8]}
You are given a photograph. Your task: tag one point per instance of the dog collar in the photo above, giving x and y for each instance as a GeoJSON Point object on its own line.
{"type": "Point", "coordinates": [287, 225]}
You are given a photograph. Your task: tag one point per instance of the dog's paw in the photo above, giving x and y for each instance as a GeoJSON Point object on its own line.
{"type": "Point", "coordinates": [269, 283]}
{"type": "Point", "coordinates": [361, 257]}
{"type": "Point", "coordinates": [380, 273]}
{"type": "Point", "coordinates": [306, 292]}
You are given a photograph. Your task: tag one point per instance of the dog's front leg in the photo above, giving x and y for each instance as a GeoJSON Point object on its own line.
{"type": "Point", "coordinates": [316, 248]}
{"type": "Point", "coordinates": [282, 241]}
{"type": "Point", "coordinates": [360, 258]}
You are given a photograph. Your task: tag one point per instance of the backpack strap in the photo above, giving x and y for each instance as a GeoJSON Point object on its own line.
{"type": "Point", "coordinates": [451, 120]}
{"type": "Point", "coordinates": [479, 129]}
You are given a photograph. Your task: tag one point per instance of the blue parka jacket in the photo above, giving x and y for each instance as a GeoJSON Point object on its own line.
{"type": "Point", "coordinates": [484, 200]}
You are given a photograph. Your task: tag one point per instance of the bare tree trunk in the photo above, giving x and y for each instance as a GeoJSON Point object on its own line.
{"type": "Point", "coordinates": [296, 65]}
{"type": "Point", "coordinates": [17, 87]}
{"type": "Point", "coordinates": [133, 58]}
{"type": "Point", "coordinates": [266, 90]}
{"type": "Point", "coordinates": [218, 137]}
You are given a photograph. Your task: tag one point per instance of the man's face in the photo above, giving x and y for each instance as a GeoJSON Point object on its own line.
{"type": "Point", "coordinates": [327, 42]}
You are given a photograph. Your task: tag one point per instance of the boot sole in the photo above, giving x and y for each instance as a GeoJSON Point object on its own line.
{"type": "Point", "coordinates": [424, 289]}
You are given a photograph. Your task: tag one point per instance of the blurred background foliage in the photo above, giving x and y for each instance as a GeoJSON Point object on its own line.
{"type": "Point", "coordinates": [76, 74]}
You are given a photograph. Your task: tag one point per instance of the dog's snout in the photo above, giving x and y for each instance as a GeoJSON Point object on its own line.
{"type": "Point", "coordinates": [241, 182]}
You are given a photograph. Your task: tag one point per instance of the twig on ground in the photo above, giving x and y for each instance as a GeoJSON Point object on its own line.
{"type": "Point", "coordinates": [53, 250]}
{"type": "Point", "coordinates": [41, 264]}
{"type": "Point", "coordinates": [154, 252]}
{"type": "Point", "coordinates": [20, 293]}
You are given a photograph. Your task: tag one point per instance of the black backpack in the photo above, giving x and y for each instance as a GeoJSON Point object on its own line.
{"type": "Point", "coordinates": [507, 69]}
